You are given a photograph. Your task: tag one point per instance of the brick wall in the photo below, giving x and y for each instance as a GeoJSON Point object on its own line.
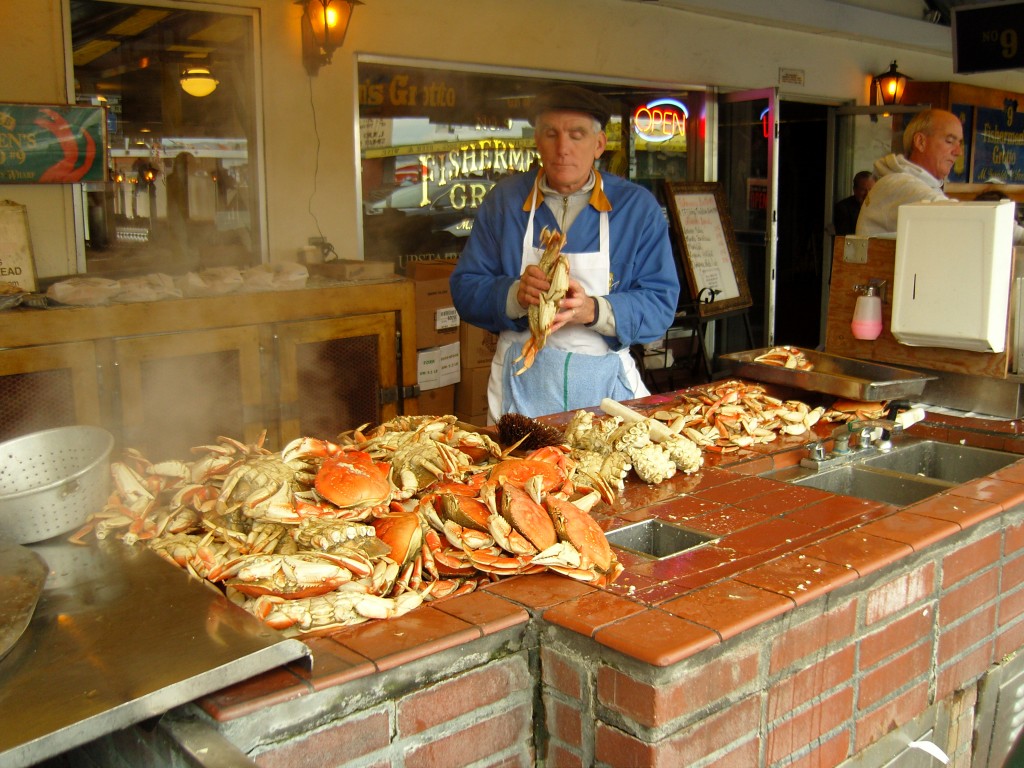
{"type": "Point", "coordinates": [848, 679]}
{"type": "Point", "coordinates": [483, 715]}
{"type": "Point", "coordinates": [815, 687]}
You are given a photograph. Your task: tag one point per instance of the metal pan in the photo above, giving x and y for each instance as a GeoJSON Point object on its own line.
{"type": "Point", "coordinates": [832, 375]}
{"type": "Point", "coordinates": [22, 575]}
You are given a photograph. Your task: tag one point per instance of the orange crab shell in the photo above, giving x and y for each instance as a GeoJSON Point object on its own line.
{"type": "Point", "coordinates": [528, 517]}
{"type": "Point", "coordinates": [352, 479]}
{"type": "Point", "coordinates": [465, 510]}
{"type": "Point", "coordinates": [470, 488]}
{"type": "Point", "coordinates": [477, 452]}
{"type": "Point", "coordinates": [403, 533]}
{"type": "Point", "coordinates": [517, 471]}
{"type": "Point", "coordinates": [582, 531]}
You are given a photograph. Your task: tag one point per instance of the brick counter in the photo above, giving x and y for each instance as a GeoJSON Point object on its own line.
{"type": "Point", "coordinates": [816, 629]}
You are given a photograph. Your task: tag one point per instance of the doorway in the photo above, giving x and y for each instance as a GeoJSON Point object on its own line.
{"type": "Point", "coordinates": [780, 149]}
{"type": "Point", "coordinates": [802, 200]}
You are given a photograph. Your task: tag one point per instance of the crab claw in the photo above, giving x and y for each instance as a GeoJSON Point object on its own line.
{"type": "Point", "coordinates": [528, 517]}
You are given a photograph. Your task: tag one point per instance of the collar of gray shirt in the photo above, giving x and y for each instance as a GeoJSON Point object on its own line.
{"type": "Point", "coordinates": [567, 207]}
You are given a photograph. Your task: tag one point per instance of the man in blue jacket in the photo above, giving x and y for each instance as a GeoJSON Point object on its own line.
{"type": "Point", "coordinates": [623, 284]}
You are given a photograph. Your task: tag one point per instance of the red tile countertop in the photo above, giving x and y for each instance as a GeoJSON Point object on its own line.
{"type": "Point", "coordinates": [777, 546]}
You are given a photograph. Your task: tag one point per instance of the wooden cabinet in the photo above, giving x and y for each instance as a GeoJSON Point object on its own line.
{"type": "Point", "coordinates": [330, 374]}
{"type": "Point", "coordinates": [48, 386]}
{"type": "Point", "coordinates": [166, 376]}
{"type": "Point", "coordinates": [177, 390]}
{"type": "Point", "coordinates": [946, 94]}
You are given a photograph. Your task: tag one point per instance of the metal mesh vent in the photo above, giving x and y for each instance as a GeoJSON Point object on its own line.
{"type": "Point", "coordinates": [338, 385]}
{"type": "Point", "coordinates": [189, 401]}
{"type": "Point", "coordinates": [30, 402]}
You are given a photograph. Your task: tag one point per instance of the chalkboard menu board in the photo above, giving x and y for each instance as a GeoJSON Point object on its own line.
{"type": "Point", "coordinates": [700, 219]}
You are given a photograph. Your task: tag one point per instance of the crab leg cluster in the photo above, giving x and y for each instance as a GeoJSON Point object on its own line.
{"type": "Point", "coordinates": [786, 357]}
{"type": "Point", "coordinates": [731, 415]}
{"type": "Point", "coordinates": [542, 315]}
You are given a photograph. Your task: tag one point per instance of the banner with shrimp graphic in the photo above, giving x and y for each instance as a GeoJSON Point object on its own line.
{"type": "Point", "coordinates": [52, 144]}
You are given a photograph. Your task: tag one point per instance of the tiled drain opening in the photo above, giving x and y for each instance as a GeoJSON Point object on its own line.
{"type": "Point", "coordinates": [656, 538]}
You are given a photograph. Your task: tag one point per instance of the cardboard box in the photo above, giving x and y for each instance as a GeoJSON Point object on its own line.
{"type": "Point", "coordinates": [437, 402]}
{"type": "Point", "coordinates": [411, 264]}
{"type": "Point", "coordinates": [437, 322]}
{"type": "Point", "coordinates": [471, 391]}
{"type": "Point", "coordinates": [351, 269]}
{"type": "Point", "coordinates": [438, 366]}
{"type": "Point", "coordinates": [478, 346]}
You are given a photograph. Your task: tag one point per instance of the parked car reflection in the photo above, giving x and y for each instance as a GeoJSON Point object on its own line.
{"type": "Point", "coordinates": [447, 204]}
{"type": "Point", "coordinates": [424, 216]}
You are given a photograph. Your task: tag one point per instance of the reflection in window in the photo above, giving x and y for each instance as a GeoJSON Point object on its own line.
{"type": "Point", "coordinates": [434, 141]}
{"type": "Point", "coordinates": [182, 191]}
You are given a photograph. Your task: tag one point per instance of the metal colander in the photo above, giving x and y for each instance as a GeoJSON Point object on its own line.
{"type": "Point", "coordinates": [50, 481]}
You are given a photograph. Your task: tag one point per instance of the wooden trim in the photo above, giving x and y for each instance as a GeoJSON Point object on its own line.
{"type": "Point", "coordinates": [25, 327]}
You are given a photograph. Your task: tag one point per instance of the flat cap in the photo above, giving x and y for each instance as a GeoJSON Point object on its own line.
{"type": "Point", "coordinates": [572, 98]}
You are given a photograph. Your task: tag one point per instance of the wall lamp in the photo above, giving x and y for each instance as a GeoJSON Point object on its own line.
{"type": "Point", "coordinates": [888, 87]}
{"type": "Point", "coordinates": [324, 24]}
{"type": "Point", "coordinates": [198, 81]}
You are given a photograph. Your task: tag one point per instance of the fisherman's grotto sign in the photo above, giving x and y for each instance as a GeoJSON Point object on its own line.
{"type": "Point", "coordinates": [51, 144]}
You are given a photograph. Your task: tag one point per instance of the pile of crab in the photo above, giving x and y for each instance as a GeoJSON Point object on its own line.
{"type": "Point", "coordinates": [734, 414]}
{"type": "Point", "coordinates": [324, 533]}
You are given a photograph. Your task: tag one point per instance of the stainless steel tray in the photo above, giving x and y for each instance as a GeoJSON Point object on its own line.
{"type": "Point", "coordinates": [120, 636]}
{"type": "Point", "coordinates": [833, 375]}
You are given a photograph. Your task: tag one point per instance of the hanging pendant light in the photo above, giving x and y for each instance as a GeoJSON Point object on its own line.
{"type": "Point", "coordinates": [198, 81]}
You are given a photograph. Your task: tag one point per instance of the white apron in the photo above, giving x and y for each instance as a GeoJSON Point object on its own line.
{"type": "Point", "coordinates": [576, 365]}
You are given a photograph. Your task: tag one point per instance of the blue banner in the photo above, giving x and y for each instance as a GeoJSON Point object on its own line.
{"type": "Point", "coordinates": [999, 145]}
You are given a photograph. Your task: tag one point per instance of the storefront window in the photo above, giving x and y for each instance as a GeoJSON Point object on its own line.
{"type": "Point", "coordinates": [434, 141]}
{"type": "Point", "coordinates": [182, 190]}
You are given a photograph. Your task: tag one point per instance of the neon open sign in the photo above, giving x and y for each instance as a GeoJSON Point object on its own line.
{"type": "Point", "coordinates": [660, 120]}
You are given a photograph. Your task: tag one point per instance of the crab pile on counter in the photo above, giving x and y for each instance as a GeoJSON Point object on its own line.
{"type": "Point", "coordinates": [324, 534]}
{"type": "Point", "coordinates": [730, 415]}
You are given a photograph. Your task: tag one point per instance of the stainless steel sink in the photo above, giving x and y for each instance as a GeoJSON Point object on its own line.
{"type": "Point", "coordinates": [858, 480]}
{"type": "Point", "coordinates": [911, 471]}
{"type": "Point", "coordinates": [943, 461]}
{"type": "Point", "coordinates": [656, 538]}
